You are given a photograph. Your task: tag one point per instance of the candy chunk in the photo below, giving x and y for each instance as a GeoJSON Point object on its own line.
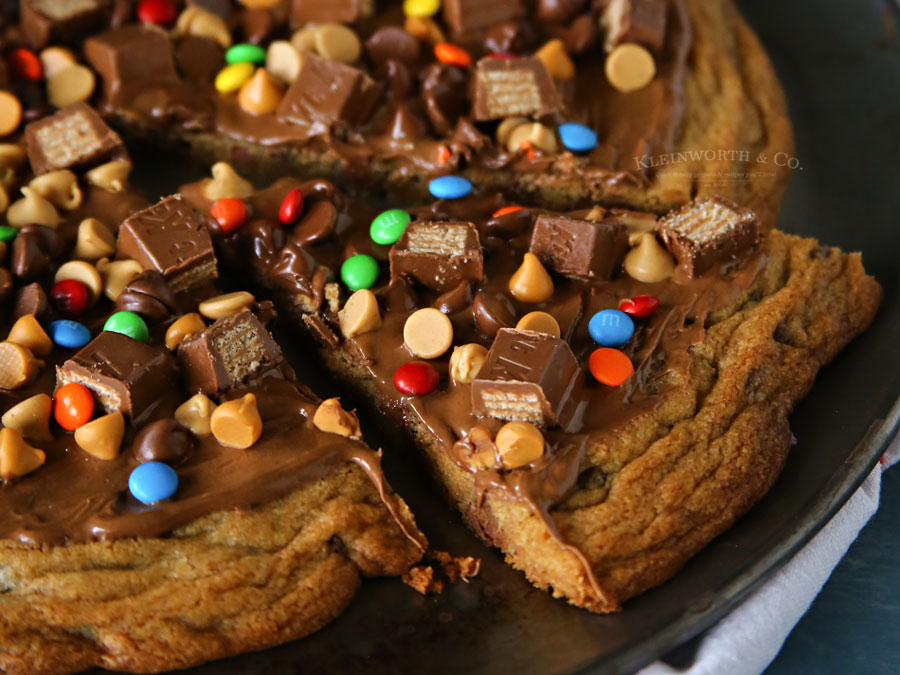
{"type": "Point", "coordinates": [528, 377]}
{"type": "Point", "coordinates": [465, 16]}
{"type": "Point", "coordinates": [708, 232]}
{"type": "Point", "coordinates": [321, 11]}
{"type": "Point", "coordinates": [133, 53]}
{"type": "Point", "coordinates": [439, 255]}
{"type": "Point", "coordinates": [73, 137]}
{"type": "Point", "coordinates": [125, 375]}
{"type": "Point", "coordinates": [580, 248]}
{"type": "Point", "coordinates": [45, 21]}
{"type": "Point", "coordinates": [170, 238]}
{"type": "Point", "coordinates": [227, 353]}
{"type": "Point", "coordinates": [639, 21]}
{"type": "Point", "coordinates": [513, 88]}
{"type": "Point", "coordinates": [327, 93]}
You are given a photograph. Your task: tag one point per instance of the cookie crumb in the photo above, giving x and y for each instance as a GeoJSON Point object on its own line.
{"type": "Point", "coordinates": [421, 578]}
{"type": "Point", "coordinates": [460, 568]}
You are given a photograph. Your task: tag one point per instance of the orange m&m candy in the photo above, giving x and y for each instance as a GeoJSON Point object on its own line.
{"type": "Point", "coordinates": [452, 55]}
{"type": "Point", "coordinates": [230, 213]}
{"type": "Point", "coordinates": [73, 406]}
{"type": "Point", "coordinates": [610, 366]}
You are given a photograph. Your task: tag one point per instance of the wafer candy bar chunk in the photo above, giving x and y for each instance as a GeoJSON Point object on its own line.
{"type": "Point", "coordinates": [528, 377]}
{"type": "Point", "coordinates": [638, 21]}
{"type": "Point", "coordinates": [708, 232]}
{"type": "Point", "coordinates": [513, 88]}
{"type": "Point", "coordinates": [45, 21]}
{"type": "Point", "coordinates": [227, 353]}
{"type": "Point", "coordinates": [438, 255]}
{"type": "Point", "coordinates": [125, 375]}
{"type": "Point", "coordinates": [71, 138]}
{"type": "Point", "coordinates": [467, 16]}
{"type": "Point", "coordinates": [327, 93]}
{"type": "Point", "coordinates": [325, 11]}
{"type": "Point", "coordinates": [581, 248]}
{"type": "Point", "coordinates": [170, 238]}
{"type": "Point", "coordinates": [133, 53]}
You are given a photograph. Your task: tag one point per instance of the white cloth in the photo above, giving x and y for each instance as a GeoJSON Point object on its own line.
{"type": "Point", "coordinates": [749, 638]}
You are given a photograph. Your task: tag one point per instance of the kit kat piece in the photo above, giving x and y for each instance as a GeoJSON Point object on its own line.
{"type": "Point", "coordinates": [513, 88]}
{"type": "Point", "coordinates": [327, 94]}
{"type": "Point", "coordinates": [133, 53]}
{"type": "Point", "coordinates": [579, 248]}
{"type": "Point", "coordinates": [708, 232]}
{"type": "Point", "coordinates": [169, 237]}
{"type": "Point", "coordinates": [438, 255]}
{"type": "Point", "coordinates": [227, 353]}
{"type": "Point", "coordinates": [637, 21]}
{"type": "Point", "coordinates": [330, 11]}
{"type": "Point", "coordinates": [468, 16]}
{"type": "Point", "coordinates": [60, 21]}
{"type": "Point", "coordinates": [528, 377]}
{"type": "Point", "coordinates": [73, 137]}
{"type": "Point", "coordinates": [125, 375]}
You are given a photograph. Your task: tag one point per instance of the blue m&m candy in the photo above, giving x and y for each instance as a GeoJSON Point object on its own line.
{"type": "Point", "coordinates": [66, 333]}
{"type": "Point", "coordinates": [611, 328]}
{"type": "Point", "coordinates": [577, 137]}
{"type": "Point", "coordinates": [152, 482]}
{"type": "Point", "coordinates": [450, 187]}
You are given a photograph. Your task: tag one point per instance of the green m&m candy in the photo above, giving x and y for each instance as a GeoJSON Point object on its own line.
{"type": "Point", "coordinates": [388, 226]}
{"type": "Point", "coordinates": [245, 53]}
{"type": "Point", "coordinates": [7, 233]}
{"type": "Point", "coordinates": [128, 323]}
{"type": "Point", "coordinates": [359, 271]}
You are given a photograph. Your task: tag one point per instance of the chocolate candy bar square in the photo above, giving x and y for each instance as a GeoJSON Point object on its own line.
{"type": "Point", "coordinates": [639, 21]}
{"type": "Point", "coordinates": [438, 255]}
{"type": "Point", "coordinates": [327, 93]}
{"type": "Point", "coordinates": [708, 232]}
{"type": "Point", "coordinates": [467, 16]}
{"type": "Point", "coordinates": [513, 88]}
{"type": "Point", "coordinates": [325, 11]}
{"type": "Point", "coordinates": [133, 53]}
{"type": "Point", "coordinates": [125, 375]}
{"type": "Point", "coordinates": [227, 353]}
{"type": "Point", "coordinates": [74, 137]}
{"type": "Point", "coordinates": [45, 21]}
{"type": "Point", "coordinates": [581, 248]}
{"type": "Point", "coordinates": [169, 237]}
{"type": "Point", "coordinates": [528, 377]}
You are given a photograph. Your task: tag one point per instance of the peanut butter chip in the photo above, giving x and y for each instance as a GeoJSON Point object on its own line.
{"type": "Point", "coordinates": [195, 414]}
{"type": "Point", "coordinates": [337, 42]}
{"type": "Point", "coordinates": [102, 437]}
{"type": "Point", "coordinates": [26, 331]}
{"type": "Point", "coordinates": [304, 40]}
{"type": "Point", "coordinates": [17, 458]}
{"type": "Point", "coordinates": [4, 199]}
{"type": "Point", "coordinates": [556, 60]}
{"type": "Point", "coordinates": [260, 94]}
{"type": "Point", "coordinates": [60, 188]}
{"type": "Point", "coordinates": [531, 282]}
{"type": "Point", "coordinates": [17, 365]}
{"type": "Point", "coordinates": [183, 328]}
{"type": "Point", "coordinates": [360, 314]}
{"type": "Point", "coordinates": [228, 304]}
{"type": "Point", "coordinates": [10, 113]}
{"type": "Point", "coordinates": [56, 59]}
{"type": "Point", "coordinates": [225, 183]}
{"type": "Point", "coordinates": [111, 176]}
{"type": "Point", "coordinates": [71, 85]}
{"type": "Point", "coordinates": [505, 128]}
{"type": "Point", "coordinates": [466, 361]}
{"type": "Point", "coordinates": [519, 444]}
{"type": "Point", "coordinates": [648, 261]}
{"type": "Point", "coordinates": [259, 4]}
{"type": "Point", "coordinates": [283, 61]}
{"type": "Point", "coordinates": [533, 134]}
{"type": "Point", "coordinates": [483, 449]}
{"type": "Point", "coordinates": [428, 333]}
{"type": "Point", "coordinates": [237, 424]}
{"type": "Point", "coordinates": [200, 22]}
{"type": "Point", "coordinates": [117, 275]}
{"type": "Point", "coordinates": [82, 271]}
{"type": "Point", "coordinates": [31, 418]}
{"type": "Point", "coordinates": [12, 156]}
{"type": "Point", "coordinates": [331, 418]}
{"type": "Point", "coordinates": [630, 67]}
{"type": "Point", "coordinates": [32, 209]}
{"type": "Point", "coordinates": [595, 214]}
{"type": "Point", "coordinates": [94, 240]}
{"type": "Point", "coordinates": [424, 28]}
{"type": "Point", "coordinates": [539, 322]}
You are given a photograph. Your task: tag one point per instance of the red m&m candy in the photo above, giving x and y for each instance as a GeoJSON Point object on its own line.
{"type": "Point", "coordinates": [73, 406]}
{"type": "Point", "coordinates": [640, 306]}
{"type": "Point", "coordinates": [610, 366]}
{"type": "Point", "coordinates": [291, 207]}
{"type": "Point", "coordinates": [416, 378]}
{"type": "Point", "coordinates": [25, 64]}
{"type": "Point", "coordinates": [157, 12]}
{"type": "Point", "coordinates": [71, 297]}
{"type": "Point", "coordinates": [230, 213]}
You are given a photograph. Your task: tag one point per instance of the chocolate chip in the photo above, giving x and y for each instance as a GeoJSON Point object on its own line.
{"type": "Point", "coordinates": [266, 238]}
{"type": "Point", "coordinates": [510, 224]}
{"type": "Point", "coordinates": [444, 89]}
{"type": "Point", "coordinates": [316, 225]}
{"type": "Point", "coordinates": [397, 80]}
{"type": "Point", "coordinates": [510, 36]}
{"type": "Point", "coordinates": [558, 11]}
{"type": "Point", "coordinates": [493, 312]}
{"type": "Point", "coordinates": [399, 297]}
{"type": "Point", "coordinates": [163, 441]}
{"type": "Point", "coordinates": [582, 35]}
{"type": "Point", "coordinates": [406, 125]}
{"type": "Point", "coordinates": [393, 43]}
{"type": "Point", "coordinates": [6, 285]}
{"type": "Point", "coordinates": [199, 58]}
{"type": "Point", "coordinates": [258, 25]}
{"type": "Point", "coordinates": [29, 259]}
{"type": "Point", "coordinates": [32, 299]}
{"type": "Point", "coordinates": [456, 299]}
{"type": "Point", "coordinates": [148, 295]}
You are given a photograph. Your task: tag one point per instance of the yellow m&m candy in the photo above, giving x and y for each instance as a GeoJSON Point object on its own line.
{"type": "Point", "coordinates": [421, 8]}
{"type": "Point", "coordinates": [230, 78]}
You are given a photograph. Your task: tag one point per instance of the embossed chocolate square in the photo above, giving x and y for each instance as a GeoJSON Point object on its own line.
{"type": "Point", "coordinates": [125, 375]}
{"type": "Point", "coordinates": [73, 137]}
{"type": "Point", "coordinates": [513, 88]}
{"type": "Point", "coordinates": [438, 255]}
{"type": "Point", "coordinates": [45, 21]}
{"type": "Point", "coordinates": [708, 232]}
{"type": "Point", "coordinates": [229, 352]}
{"type": "Point", "coordinates": [639, 21]}
{"type": "Point", "coordinates": [326, 11]}
{"type": "Point", "coordinates": [133, 53]}
{"type": "Point", "coordinates": [466, 16]}
{"type": "Point", "coordinates": [528, 377]}
{"type": "Point", "coordinates": [580, 248]}
{"type": "Point", "coordinates": [169, 237]}
{"type": "Point", "coordinates": [328, 93]}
